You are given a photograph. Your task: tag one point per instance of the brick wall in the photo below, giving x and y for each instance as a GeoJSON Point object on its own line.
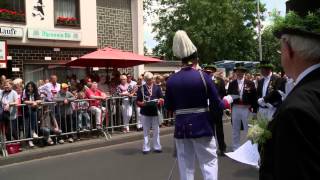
{"type": "Point", "coordinates": [23, 54]}
{"type": "Point", "coordinates": [114, 24]}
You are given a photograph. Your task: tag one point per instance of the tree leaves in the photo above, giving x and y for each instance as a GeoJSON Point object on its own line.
{"type": "Point", "coordinates": [220, 29]}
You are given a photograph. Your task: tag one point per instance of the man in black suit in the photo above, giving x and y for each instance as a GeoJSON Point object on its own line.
{"type": "Point", "coordinates": [268, 90]}
{"type": "Point", "coordinates": [220, 86]}
{"type": "Point", "coordinates": [244, 95]}
{"type": "Point", "coordinates": [293, 151]}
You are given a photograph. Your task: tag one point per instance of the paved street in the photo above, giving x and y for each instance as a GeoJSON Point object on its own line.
{"type": "Point", "coordinates": [119, 162]}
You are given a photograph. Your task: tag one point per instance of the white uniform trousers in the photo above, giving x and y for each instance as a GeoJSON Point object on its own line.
{"type": "Point", "coordinates": [126, 113]}
{"type": "Point", "coordinates": [147, 123]}
{"type": "Point", "coordinates": [139, 124]}
{"type": "Point", "coordinates": [205, 150]}
{"type": "Point", "coordinates": [239, 113]}
{"type": "Point", "coordinates": [267, 113]}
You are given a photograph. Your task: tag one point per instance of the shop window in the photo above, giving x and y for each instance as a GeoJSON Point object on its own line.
{"type": "Point", "coordinates": [12, 10]}
{"type": "Point", "coordinates": [67, 13]}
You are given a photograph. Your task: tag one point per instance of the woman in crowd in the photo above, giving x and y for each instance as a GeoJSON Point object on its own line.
{"type": "Point", "coordinates": [149, 99]}
{"type": "Point", "coordinates": [32, 100]}
{"type": "Point", "coordinates": [9, 100]}
{"type": "Point", "coordinates": [126, 91]}
{"type": "Point", "coordinates": [136, 88]}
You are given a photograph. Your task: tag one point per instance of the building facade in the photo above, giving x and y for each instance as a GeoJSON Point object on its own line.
{"type": "Point", "coordinates": [43, 35]}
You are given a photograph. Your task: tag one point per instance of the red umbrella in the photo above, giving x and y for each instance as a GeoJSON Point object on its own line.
{"type": "Point", "coordinates": [109, 57]}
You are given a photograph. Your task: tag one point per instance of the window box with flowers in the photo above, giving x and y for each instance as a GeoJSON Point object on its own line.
{"type": "Point", "coordinates": [68, 21]}
{"type": "Point", "coordinates": [9, 15]}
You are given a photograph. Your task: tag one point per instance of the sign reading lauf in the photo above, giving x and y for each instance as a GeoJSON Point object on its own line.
{"type": "Point", "coordinates": [11, 32]}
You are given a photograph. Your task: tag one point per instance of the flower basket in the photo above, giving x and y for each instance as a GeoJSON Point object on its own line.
{"type": "Point", "coordinates": [67, 21]}
{"type": "Point", "coordinates": [8, 15]}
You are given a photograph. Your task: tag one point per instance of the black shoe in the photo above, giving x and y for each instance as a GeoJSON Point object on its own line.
{"type": "Point", "coordinates": [221, 153]}
{"type": "Point", "coordinates": [157, 151]}
{"type": "Point", "coordinates": [145, 152]}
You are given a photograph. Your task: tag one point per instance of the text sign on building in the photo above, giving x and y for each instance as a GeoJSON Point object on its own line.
{"type": "Point", "coordinates": [54, 35]}
{"type": "Point", "coordinates": [3, 54]}
{"type": "Point", "coordinates": [15, 32]}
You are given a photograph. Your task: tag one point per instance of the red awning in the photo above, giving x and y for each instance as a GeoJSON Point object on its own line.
{"type": "Point", "coordinates": [109, 57]}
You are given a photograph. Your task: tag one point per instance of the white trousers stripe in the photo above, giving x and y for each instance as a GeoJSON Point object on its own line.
{"type": "Point", "coordinates": [204, 149]}
{"type": "Point", "coordinates": [239, 113]}
{"type": "Point", "coordinates": [147, 123]}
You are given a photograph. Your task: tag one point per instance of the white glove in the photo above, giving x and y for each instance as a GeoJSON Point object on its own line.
{"type": "Point", "coordinates": [269, 105]}
{"type": "Point", "coordinates": [282, 94]}
{"type": "Point", "coordinates": [234, 97]}
{"type": "Point", "coordinates": [261, 102]}
{"type": "Point", "coordinates": [228, 99]}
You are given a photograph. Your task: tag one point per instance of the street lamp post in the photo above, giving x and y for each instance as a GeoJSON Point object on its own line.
{"type": "Point", "coordinates": [259, 30]}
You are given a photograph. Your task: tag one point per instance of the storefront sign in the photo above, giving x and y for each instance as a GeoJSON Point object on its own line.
{"type": "Point", "coordinates": [3, 54]}
{"type": "Point", "coordinates": [54, 35]}
{"type": "Point", "coordinates": [15, 32]}
{"type": "Point", "coordinates": [15, 69]}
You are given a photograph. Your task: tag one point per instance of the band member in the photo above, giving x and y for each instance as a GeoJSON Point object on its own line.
{"type": "Point", "coordinates": [269, 97]}
{"type": "Point", "coordinates": [220, 85]}
{"type": "Point", "coordinates": [244, 95]}
{"type": "Point", "coordinates": [191, 94]}
{"type": "Point", "coordinates": [149, 98]}
{"type": "Point", "coordinates": [293, 150]}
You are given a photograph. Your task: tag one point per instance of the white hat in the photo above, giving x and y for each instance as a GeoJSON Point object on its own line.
{"type": "Point", "coordinates": [182, 45]}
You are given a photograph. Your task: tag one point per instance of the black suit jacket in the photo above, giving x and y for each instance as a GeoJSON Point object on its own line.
{"type": "Point", "coordinates": [220, 86]}
{"type": "Point", "coordinates": [272, 95]}
{"type": "Point", "coordinates": [293, 152]}
{"type": "Point", "coordinates": [249, 96]}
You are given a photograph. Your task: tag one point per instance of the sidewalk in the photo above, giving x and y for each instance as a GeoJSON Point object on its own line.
{"type": "Point", "coordinates": [42, 152]}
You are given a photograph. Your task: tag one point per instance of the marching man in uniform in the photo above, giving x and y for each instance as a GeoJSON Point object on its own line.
{"type": "Point", "coordinates": [244, 96]}
{"type": "Point", "coordinates": [269, 97]}
{"type": "Point", "coordinates": [191, 94]}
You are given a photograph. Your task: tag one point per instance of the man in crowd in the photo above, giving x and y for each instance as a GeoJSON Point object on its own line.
{"type": "Point", "coordinates": [95, 105]}
{"type": "Point", "coordinates": [131, 82]}
{"type": "Point", "coordinates": [220, 85]}
{"type": "Point", "coordinates": [293, 151]}
{"type": "Point", "coordinates": [268, 86]}
{"type": "Point", "coordinates": [50, 89]}
{"type": "Point", "coordinates": [64, 98]}
{"type": "Point", "coordinates": [244, 95]}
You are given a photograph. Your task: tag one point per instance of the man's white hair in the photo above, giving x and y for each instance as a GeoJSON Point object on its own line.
{"type": "Point", "coordinates": [305, 47]}
{"type": "Point", "coordinates": [148, 75]}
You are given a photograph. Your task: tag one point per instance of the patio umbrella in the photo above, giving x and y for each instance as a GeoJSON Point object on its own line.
{"type": "Point", "coordinates": [110, 57]}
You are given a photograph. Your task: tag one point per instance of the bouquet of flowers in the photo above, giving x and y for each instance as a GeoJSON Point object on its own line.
{"type": "Point", "coordinates": [258, 132]}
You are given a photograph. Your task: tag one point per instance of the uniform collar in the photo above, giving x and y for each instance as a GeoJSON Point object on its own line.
{"type": "Point", "coordinates": [306, 72]}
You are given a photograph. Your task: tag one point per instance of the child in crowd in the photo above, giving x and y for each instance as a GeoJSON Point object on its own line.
{"type": "Point", "coordinates": [82, 112]}
{"type": "Point", "coordinates": [49, 125]}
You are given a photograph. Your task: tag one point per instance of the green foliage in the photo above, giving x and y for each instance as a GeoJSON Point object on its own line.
{"type": "Point", "coordinates": [220, 29]}
{"type": "Point", "coordinates": [311, 22]}
{"type": "Point", "coordinates": [270, 48]}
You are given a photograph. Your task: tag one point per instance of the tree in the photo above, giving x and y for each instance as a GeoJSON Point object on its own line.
{"type": "Point", "coordinates": [220, 29]}
{"type": "Point", "coordinates": [271, 48]}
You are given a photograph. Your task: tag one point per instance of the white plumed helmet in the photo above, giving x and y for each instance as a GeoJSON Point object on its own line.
{"type": "Point", "coordinates": [182, 45]}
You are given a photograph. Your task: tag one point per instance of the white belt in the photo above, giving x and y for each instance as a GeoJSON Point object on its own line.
{"type": "Point", "coordinates": [191, 111]}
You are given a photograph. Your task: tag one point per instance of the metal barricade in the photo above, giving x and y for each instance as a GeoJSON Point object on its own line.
{"type": "Point", "coordinates": [73, 118]}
